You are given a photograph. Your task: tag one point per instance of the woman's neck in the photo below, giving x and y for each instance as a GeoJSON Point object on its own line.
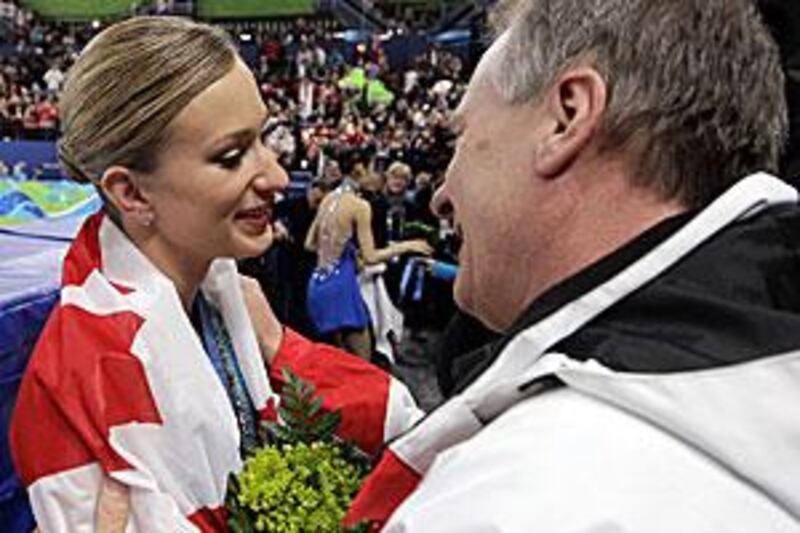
{"type": "Point", "coordinates": [349, 185]}
{"type": "Point", "coordinates": [187, 284]}
{"type": "Point", "coordinates": [186, 271]}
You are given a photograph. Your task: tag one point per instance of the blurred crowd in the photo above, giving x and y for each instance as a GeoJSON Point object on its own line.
{"type": "Point", "coordinates": [35, 56]}
{"type": "Point", "coordinates": [321, 106]}
{"type": "Point", "coordinates": [327, 98]}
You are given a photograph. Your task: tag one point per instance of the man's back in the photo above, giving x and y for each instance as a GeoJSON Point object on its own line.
{"type": "Point", "coordinates": [566, 461]}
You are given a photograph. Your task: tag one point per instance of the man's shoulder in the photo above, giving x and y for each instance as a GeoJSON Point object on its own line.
{"type": "Point", "coordinates": [563, 461]}
{"type": "Point", "coordinates": [562, 429]}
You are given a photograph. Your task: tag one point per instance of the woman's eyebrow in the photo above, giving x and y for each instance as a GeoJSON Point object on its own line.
{"type": "Point", "coordinates": [240, 135]}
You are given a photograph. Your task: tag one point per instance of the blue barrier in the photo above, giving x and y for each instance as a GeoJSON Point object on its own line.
{"type": "Point", "coordinates": [29, 284]}
{"type": "Point", "coordinates": [20, 325]}
{"type": "Point", "coordinates": [35, 154]}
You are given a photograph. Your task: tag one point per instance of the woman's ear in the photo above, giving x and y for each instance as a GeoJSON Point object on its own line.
{"type": "Point", "coordinates": [122, 188]}
{"type": "Point", "coordinates": [576, 104]}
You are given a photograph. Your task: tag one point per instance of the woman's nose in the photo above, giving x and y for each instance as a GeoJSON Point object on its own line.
{"type": "Point", "coordinates": [271, 174]}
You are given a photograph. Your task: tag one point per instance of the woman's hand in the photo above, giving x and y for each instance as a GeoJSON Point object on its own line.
{"type": "Point", "coordinates": [417, 246]}
{"type": "Point", "coordinates": [269, 331]}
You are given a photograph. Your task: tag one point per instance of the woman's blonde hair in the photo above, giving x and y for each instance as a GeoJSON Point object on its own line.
{"type": "Point", "coordinates": [129, 84]}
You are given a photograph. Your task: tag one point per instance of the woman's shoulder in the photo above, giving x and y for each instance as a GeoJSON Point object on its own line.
{"type": "Point", "coordinates": [76, 343]}
{"type": "Point", "coordinates": [356, 203]}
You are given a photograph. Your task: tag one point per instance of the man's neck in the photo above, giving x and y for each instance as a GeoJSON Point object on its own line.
{"type": "Point", "coordinates": [604, 215]}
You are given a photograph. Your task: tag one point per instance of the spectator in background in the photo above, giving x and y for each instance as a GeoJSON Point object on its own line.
{"type": "Point", "coordinates": [293, 220]}
{"type": "Point", "coordinates": [304, 61]}
{"type": "Point", "coordinates": [47, 113]}
{"type": "Point", "coordinates": [398, 199]}
{"type": "Point", "coordinates": [390, 207]}
{"type": "Point", "coordinates": [305, 90]}
{"type": "Point", "coordinates": [421, 200]}
{"type": "Point", "coordinates": [54, 78]}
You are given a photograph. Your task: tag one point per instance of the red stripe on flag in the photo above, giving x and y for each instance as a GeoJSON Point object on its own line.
{"type": "Point", "coordinates": [269, 413]}
{"type": "Point", "coordinates": [210, 520]}
{"type": "Point", "coordinates": [121, 288]}
{"type": "Point", "coordinates": [385, 489]}
{"type": "Point", "coordinates": [347, 384]}
{"type": "Point", "coordinates": [81, 381]}
{"type": "Point", "coordinates": [84, 253]}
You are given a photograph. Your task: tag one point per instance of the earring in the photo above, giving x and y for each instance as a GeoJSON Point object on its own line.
{"type": "Point", "coordinates": [146, 218]}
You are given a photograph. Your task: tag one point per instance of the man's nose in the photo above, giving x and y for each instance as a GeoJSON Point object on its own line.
{"type": "Point", "coordinates": [440, 203]}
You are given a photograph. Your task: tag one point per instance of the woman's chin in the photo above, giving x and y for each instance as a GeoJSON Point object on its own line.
{"type": "Point", "coordinates": [253, 246]}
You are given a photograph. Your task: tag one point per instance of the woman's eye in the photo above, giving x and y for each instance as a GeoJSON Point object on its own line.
{"type": "Point", "coordinates": [230, 159]}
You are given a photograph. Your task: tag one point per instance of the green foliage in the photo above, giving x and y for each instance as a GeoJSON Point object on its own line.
{"type": "Point", "coordinates": [305, 478]}
{"type": "Point", "coordinates": [301, 415]}
{"type": "Point", "coordinates": [420, 230]}
{"type": "Point", "coordinates": [296, 488]}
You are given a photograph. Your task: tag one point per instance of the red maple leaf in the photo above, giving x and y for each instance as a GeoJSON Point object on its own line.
{"type": "Point", "coordinates": [81, 381]}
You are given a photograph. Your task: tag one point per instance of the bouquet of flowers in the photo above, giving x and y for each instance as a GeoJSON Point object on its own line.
{"type": "Point", "coordinates": [304, 477]}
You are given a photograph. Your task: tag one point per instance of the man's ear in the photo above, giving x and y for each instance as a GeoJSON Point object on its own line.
{"type": "Point", "coordinates": [575, 103]}
{"type": "Point", "coordinates": [123, 189]}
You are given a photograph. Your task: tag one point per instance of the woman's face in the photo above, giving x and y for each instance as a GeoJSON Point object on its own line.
{"type": "Point", "coordinates": [213, 189]}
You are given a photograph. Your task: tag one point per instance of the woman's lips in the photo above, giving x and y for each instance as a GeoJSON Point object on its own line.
{"type": "Point", "coordinates": [257, 218]}
{"type": "Point", "coordinates": [254, 212]}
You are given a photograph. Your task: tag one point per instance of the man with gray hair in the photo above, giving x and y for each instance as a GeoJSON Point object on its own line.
{"type": "Point", "coordinates": [622, 232]}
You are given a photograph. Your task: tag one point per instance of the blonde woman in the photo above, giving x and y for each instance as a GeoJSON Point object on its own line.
{"type": "Point", "coordinates": [148, 381]}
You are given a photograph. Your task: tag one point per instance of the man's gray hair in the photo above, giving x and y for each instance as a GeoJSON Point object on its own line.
{"type": "Point", "coordinates": [695, 87]}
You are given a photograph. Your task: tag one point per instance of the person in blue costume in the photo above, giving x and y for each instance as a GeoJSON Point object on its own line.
{"type": "Point", "coordinates": [341, 234]}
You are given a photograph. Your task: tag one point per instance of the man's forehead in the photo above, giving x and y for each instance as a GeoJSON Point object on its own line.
{"type": "Point", "coordinates": [492, 59]}
{"type": "Point", "coordinates": [484, 76]}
